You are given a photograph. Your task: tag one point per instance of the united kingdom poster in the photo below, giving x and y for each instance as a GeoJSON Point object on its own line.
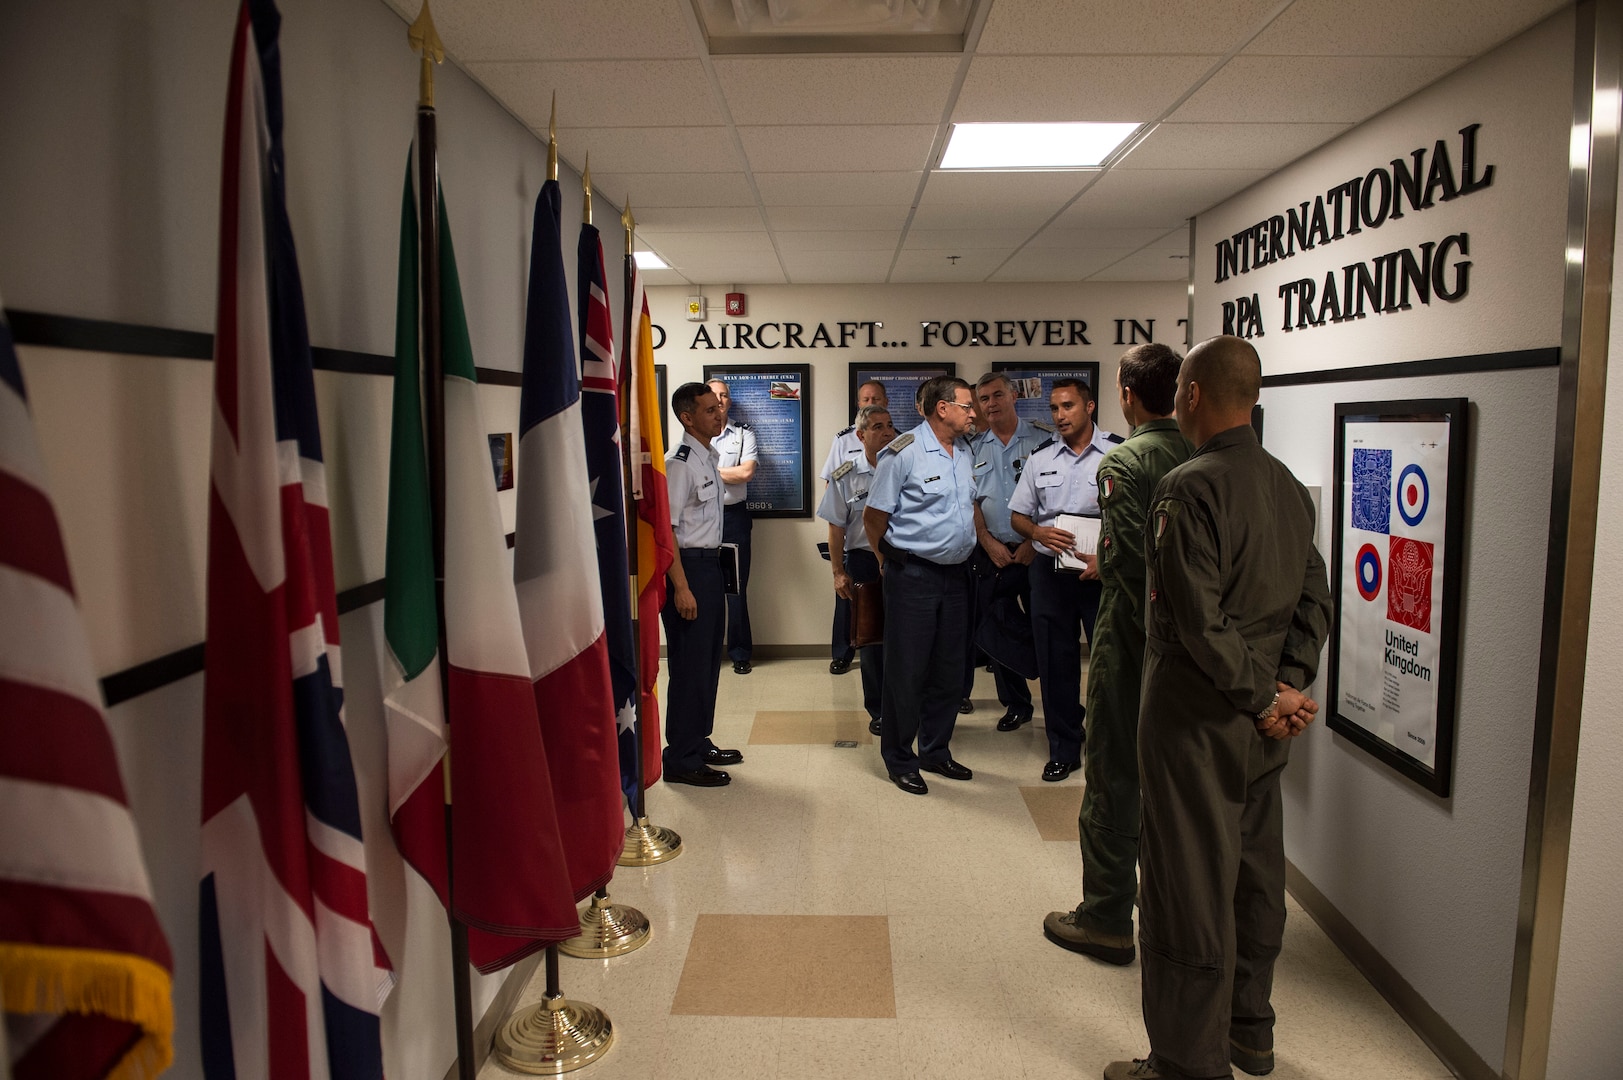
{"type": "Point", "coordinates": [1394, 645]}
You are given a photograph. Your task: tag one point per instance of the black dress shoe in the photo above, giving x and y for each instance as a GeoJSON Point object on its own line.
{"type": "Point", "coordinates": [703, 776]}
{"type": "Point", "coordinates": [839, 667]}
{"type": "Point", "coordinates": [949, 768]}
{"type": "Point", "coordinates": [966, 706]}
{"type": "Point", "coordinates": [910, 782]}
{"type": "Point", "coordinates": [717, 756]}
{"type": "Point", "coordinates": [1058, 770]}
{"type": "Point", "coordinates": [742, 667]}
{"type": "Point", "coordinates": [874, 726]}
{"type": "Point", "coordinates": [1013, 719]}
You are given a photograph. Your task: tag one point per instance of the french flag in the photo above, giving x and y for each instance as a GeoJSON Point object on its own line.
{"type": "Point", "coordinates": [292, 974]}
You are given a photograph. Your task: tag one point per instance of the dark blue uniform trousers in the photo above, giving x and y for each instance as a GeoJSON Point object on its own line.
{"type": "Point", "coordinates": [926, 619]}
{"type": "Point", "coordinates": [862, 566]}
{"type": "Point", "coordinates": [735, 529]}
{"type": "Point", "coordinates": [693, 655]}
{"type": "Point", "coordinates": [1062, 606]}
{"type": "Point", "coordinates": [839, 639]}
{"type": "Point", "coordinates": [1013, 691]}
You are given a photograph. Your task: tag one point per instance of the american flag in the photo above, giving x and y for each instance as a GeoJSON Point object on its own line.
{"type": "Point", "coordinates": [292, 975]}
{"type": "Point", "coordinates": [81, 953]}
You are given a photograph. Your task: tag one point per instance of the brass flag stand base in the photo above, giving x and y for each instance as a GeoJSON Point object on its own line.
{"type": "Point", "coordinates": [557, 1036]}
{"type": "Point", "coordinates": [608, 929]}
{"type": "Point", "coordinates": [648, 844]}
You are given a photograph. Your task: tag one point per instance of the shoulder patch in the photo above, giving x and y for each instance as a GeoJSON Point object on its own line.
{"type": "Point", "coordinates": [1165, 511]}
{"type": "Point", "coordinates": [1043, 425]}
{"type": "Point", "coordinates": [842, 470]}
{"type": "Point", "coordinates": [846, 431]}
{"type": "Point", "coordinates": [683, 451]}
{"type": "Point", "coordinates": [1044, 445]}
{"type": "Point", "coordinates": [1107, 487]}
{"type": "Point", "coordinates": [899, 443]}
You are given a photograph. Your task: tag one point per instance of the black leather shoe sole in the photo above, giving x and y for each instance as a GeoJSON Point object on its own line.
{"type": "Point", "coordinates": [910, 782]}
{"type": "Point", "coordinates": [838, 667]}
{"type": "Point", "coordinates": [949, 768]}
{"type": "Point", "coordinates": [718, 756]}
{"type": "Point", "coordinates": [742, 667]}
{"type": "Point", "coordinates": [1059, 770]}
{"type": "Point", "coordinates": [1013, 720]}
{"type": "Point", "coordinates": [874, 727]}
{"type": "Point", "coordinates": [966, 707]}
{"type": "Point", "coordinates": [703, 776]}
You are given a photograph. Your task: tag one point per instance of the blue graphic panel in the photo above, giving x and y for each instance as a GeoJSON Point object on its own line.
{"type": "Point", "coordinates": [1372, 490]}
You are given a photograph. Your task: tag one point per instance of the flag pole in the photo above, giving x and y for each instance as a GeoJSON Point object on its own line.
{"type": "Point", "coordinates": [606, 928]}
{"type": "Point", "coordinates": [424, 39]}
{"type": "Point", "coordinates": [557, 1035]}
{"type": "Point", "coordinates": [646, 844]}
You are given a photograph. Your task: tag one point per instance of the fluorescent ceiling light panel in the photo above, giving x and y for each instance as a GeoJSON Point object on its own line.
{"type": "Point", "coordinates": [647, 260]}
{"type": "Point", "coordinates": [1033, 146]}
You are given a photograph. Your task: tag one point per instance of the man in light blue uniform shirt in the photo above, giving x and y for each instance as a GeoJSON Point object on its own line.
{"type": "Point", "coordinates": [736, 445]}
{"type": "Point", "coordinates": [843, 502]}
{"type": "Point", "coordinates": [1061, 477]}
{"type": "Point", "coordinates": [848, 447]}
{"type": "Point", "coordinates": [1001, 453]}
{"type": "Point", "coordinates": [920, 518]}
{"type": "Point", "coordinates": [695, 606]}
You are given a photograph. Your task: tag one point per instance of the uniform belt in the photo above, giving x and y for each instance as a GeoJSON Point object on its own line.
{"type": "Point", "coordinates": [739, 507]}
{"type": "Point", "coordinates": [701, 553]}
{"type": "Point", "coordinates": [907, 558]}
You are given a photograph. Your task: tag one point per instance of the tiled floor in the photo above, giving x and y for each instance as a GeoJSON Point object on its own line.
{"type": "Point", "coordinates": [939, 969]}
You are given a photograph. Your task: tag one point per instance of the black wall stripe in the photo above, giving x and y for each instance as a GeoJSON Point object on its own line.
{"type": "Point", "coordinates": [1414, 369]}
{"type": "Point", "coordinates": [101, 335]}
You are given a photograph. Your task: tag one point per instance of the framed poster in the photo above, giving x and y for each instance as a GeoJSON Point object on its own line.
{"type": "Point", "coordinates": [901, 382]}
{"type": "Point", "coordinates": [1033, 382]}
{"type": "Point", "coordinates": [665, 400]}
{"type": "Point", "coordinates": [773, 400]}
{"type": "Point", "coordinates": [1395, 579]}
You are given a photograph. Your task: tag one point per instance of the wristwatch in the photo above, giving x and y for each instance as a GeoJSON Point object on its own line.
{"type": "Point", "coordinates": [1271, 711]}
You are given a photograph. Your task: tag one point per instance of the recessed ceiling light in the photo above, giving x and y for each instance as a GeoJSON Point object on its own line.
{"type": "Point", "coordinates": [1033, 146]}
{"type": "Point", "coordinates": [647, 260]}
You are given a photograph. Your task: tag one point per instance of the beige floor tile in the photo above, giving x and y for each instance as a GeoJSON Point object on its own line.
{"type": "Point", "coordinates": [959, 1048]}
{"type": "Point", "coordinates": [1078, 1046]}
{"type": "Point", "coordinates": [810, 728]}
{"type": "Point", "coordinates": [967, 987]}
{"type": "Point", "coordinates": [1054, 809]}
{"type": "Point", "coordinates": [1069, 986]}
{"type": "Point", "coordinates": [788, 965]}
{"type": "Point", "coordinates": [848, 1049]}
{"type": "Point", "coordinates": [719, 1048]}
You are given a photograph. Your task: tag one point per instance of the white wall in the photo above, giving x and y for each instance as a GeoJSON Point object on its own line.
{"type": "Point", "coordinates": [792, 591]}
{"type": "Point", "coordinates": [1586, 1042]}
{"type": "Point", "coordinates": [1434, 883]}
{"type": "Point", "coordinates": [109, 210]}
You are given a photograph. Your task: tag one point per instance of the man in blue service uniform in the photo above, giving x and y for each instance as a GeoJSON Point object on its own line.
{"type": "Point", "coordinates": [1238, 611]}
{"type": "Point", "coordinates": [1000, 453]}
{"type": "Point", "coordinates": [1101, 926]}
{"type": "Point", "coordinates": [848, 549]}
{"type": "Point", "coordinates": [920, 518]}
{"type": "Point", "coordinates": [847, 447]}
{"type": "Point", "coordinates": [1061, 478]}
{"type": "Point", "coordinates": [695, 609]}
{"type": "Point", "coordinates": [736, 445]}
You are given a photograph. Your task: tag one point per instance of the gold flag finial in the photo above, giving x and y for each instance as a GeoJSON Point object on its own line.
{"type": "Point", "coordinates": [630, 223]}
{"type": "Point", "coordinates": [424, 39]}
{"type": "Point", "coordinates": [552, 140]}
{"type": "Point", "coordinates": [586, 185]}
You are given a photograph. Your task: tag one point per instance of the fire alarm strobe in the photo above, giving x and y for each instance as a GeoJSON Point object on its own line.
{"type": "Point", "coordinates": [735, 305]}
{"type": "Point", "coordinates": [696, 309]}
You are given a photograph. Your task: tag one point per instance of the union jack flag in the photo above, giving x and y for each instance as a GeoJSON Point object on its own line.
{"type": "Point", "coordinates": [292, 974]}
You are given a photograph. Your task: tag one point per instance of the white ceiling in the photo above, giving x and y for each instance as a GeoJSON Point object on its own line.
{"type": "Point", "coordinates": [753, 169]}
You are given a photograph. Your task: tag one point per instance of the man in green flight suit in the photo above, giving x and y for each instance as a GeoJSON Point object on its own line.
{"type": "Point", "coordinates": [1102, 924]}
{"type": "Point", "coordinates": [1239, 606]}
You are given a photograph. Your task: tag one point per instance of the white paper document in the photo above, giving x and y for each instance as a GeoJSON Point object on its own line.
{"type": "Point", "coordinates": [1086, 531]}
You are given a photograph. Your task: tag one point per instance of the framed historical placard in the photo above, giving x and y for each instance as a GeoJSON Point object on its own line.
{"type": "Point", "coordinates": [773, 400]}
{"type": "Point", "coordinates": [1395, 577]}
{"type": "Point", "coordinates": [901, 382]}
{"type": "Point", "coordinates": [1033, 382]}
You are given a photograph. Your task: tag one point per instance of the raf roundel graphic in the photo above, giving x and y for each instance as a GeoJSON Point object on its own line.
{"type": "Point", "coordinates": [1414, 494]}
{"type": "Point", "coordinates": [1369, 572]}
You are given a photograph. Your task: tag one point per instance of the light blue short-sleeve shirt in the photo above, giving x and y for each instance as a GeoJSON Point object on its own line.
{"type": "Point", "coordinates": [735, 445]}
{"type": "Point", "coordinates": [844, 500]}
{"type": "Point", "coordinates": [929, 495]}
{"type": "Point", "coordinates": [998, 466]}
{"type": "Point", "coordinates": [694, 484]}
{"type": "Point", "coordinates": [1057, 480]}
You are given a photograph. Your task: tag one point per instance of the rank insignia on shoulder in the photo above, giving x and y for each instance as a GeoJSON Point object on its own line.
{"type": "Point", "coordinates": [899, 443]}
{"type": "Point", "coordinates": [742, 425]}
{"type": "Point", "coordinates": [1044, 445]}
{"type": "Point", "coordinates": [847, 431]}
{"type": "Point", "coordinates": [842, 470]}
{"type": "Point", "coordinates": [1043, 425]}
{"type": "Point", "coordinates": [683, 451]}
{"type": "Point", "coordinates": [1111, 436]}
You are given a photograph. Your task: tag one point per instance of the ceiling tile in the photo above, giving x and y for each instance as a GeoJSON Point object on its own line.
{"type": "Point", "coordinates": [836, 189]}
{"type": "Point", "coordinates": [835, 218]}
{"type": "Point", "coordinates": [1148, 197]}
{"type": "Point", "coordinates": [837, 90]}
{"type": "Point", "coordinates": [1398, 27]}
{"type": "Point", "coordinates": [880, 148]}
{"type": "Point", "coordinates": [1145, 266]}
{"type": "Point", "coordinates": [739, 270]}
{"type": "Point", "coordinates": [603, 93]}
{"type": "Point", "coordinates": [857, 240]}
{"type": "Point", "coordinates": [1227, 146]}
{"type": "Point", "coordinates": [1048, 264]}
{"type": "Point", "coordinates": [649, 149]}
{"type": "Point", "coordinates": [662, 277]}
{"type": "Point", "coordinates": [992, 216]}
{"type": "Point", "coordinates": [1048, 189]}
{"type": "Point", "coordinates": [1057, 236]}
{"type": "Point", "coordinates": [1306, 89]}
{"type": "Point", "coordinates": [956, 239]}
{"type": "Point", "coordinates": [679, 248]}
{"type": "Point", "coordinates": [1006, 89]}
{"type": "Point", "coordinates": [558, 29]}
{"type": "Point", "coordinates": [815, 267]}
{"type": "Point", "coordinates": [972, 266]}
{"type": "Point", "coordinates": [674, 189]}
{"type": "Point", "coordinates": [696, 218]}
{"type": "Point", "coordinates": [1109, 26]}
